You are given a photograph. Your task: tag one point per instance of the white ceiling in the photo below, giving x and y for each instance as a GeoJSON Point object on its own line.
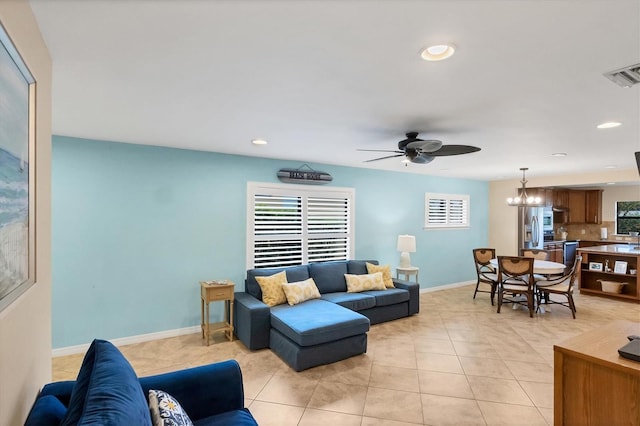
{"type": "Point", "coordinates": [320, 79]}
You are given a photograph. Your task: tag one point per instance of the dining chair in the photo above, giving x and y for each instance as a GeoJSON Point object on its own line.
{"type": "Point", "coordinates": [486, 272]}
{"type": "Point", "coordinates": [562, 285]}
{"type": "Point", "coordinates": [515, 278]}
{"type": "Point", "coordinates": [537, 254]}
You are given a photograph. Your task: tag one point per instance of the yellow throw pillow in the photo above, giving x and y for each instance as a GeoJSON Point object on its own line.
{"type": "Point", "coordinates": [300, 291]}
{"type": "Point", "coordinates": [386, 273]}
{"type": "Point", "coordinates": [364, 282]}
{"type": "Point", "coordinates": [271, 286]}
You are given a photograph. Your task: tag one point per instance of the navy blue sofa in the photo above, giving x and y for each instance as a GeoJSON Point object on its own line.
{"type": "Point", "coordinates": [319, 331]}
{"type": "Point", "coordinates": [107, 392]}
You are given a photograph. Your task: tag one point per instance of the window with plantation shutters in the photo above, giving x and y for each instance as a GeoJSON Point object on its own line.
{"type": "Point", "coordinates": [446, 211]}
{"type": "Point", "coordinates": [294, 224]}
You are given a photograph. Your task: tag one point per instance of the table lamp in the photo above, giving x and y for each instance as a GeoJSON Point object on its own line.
{"type": "Point", "coordinates": [406, 245]}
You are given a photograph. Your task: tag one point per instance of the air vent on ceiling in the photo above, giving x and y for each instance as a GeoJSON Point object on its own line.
{"type": "Point", "coordinates": [625, 77]}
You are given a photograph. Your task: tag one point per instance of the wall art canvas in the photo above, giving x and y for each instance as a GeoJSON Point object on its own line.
{"type": "Point", "coordinates": [17, 187]}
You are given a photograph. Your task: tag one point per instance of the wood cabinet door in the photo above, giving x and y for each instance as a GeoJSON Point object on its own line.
{"type": "Point", "coordinates": [561, 198]}
{"type": "Point", "coordinates": [593, 206]}
{"type": "Point", "coordinates": [548, 197]}
{"type": "Point", "coordinates": [577, 200]}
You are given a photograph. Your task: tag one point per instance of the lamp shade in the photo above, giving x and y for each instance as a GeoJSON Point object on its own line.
{"type": "Point", "coordinates": [407, 243]}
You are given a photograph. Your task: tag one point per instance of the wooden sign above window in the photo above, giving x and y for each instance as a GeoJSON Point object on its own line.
{"type": "Point", "coordinates": [308, 176]}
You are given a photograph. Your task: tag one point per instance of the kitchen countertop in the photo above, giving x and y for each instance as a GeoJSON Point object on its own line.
{"type": "Point", "coordinates": [613, 249]}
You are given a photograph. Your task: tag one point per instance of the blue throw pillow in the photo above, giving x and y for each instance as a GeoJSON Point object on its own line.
{"type": "Point", "coordinates": [107, 390]}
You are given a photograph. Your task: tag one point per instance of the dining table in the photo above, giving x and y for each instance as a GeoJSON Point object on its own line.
{"type": "Point", "coordinates": [540, 267]}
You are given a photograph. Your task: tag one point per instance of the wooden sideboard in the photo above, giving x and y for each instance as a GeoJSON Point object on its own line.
{"type": "Point", "coordinates": [589, 279]}
{"type": "Point", "coordinates": [593, 385]}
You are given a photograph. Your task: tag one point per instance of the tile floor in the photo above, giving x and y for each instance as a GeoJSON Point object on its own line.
{"type": "Point", "coordinates": [458, 362]}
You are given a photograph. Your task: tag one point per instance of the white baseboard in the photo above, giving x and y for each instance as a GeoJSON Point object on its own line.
{"type": "Point", "coordinates": [78, 349]}
{"type": "Point", "coordinates": [447, 286]}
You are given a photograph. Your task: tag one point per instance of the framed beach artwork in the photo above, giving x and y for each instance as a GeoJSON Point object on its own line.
{"type": "Point", "coordinates": [17, 174]}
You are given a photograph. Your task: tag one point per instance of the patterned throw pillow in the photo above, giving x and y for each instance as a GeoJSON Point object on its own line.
{"type": "Point", "coordinates": [300, 291]}
{"type": "Point", "coordinates": [386, 273]}
{"type": "Point", "coordinates": [166, 411]}
{"type": "Point", "coordinates": [271, 286]}
{"type": "Point", "coordinates": [364, 282]}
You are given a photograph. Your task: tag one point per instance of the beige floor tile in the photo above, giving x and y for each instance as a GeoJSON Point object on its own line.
{"type": "Point", "coordinates": [439, 362]}
{"type": "Point", "coordinates": [372, 421]}
{"type": "Point", "coordinates": [352, 371]}
{"type": "Point", "coordinates": [254, 381]}
{"type": "Point", "coordinates": [444, 384]}
{"type": "Point", "coordinates": [507, 414]}
{"type": "Point", "coordinates": [475, 349]}
{"type": "Point", "coordinates": [498, 390]}
{"type": "Point", "coordinates": [313, 417]}
{"type": "Point", "coordinates": [396, 378]}
{"type": "Point", "coordinates": [339, 397]}
{"type": "Point", "coordinates": [270, 414]}
{"type": "Point", "coordinates": [486, 367]}
{"type": "Point", "coordinates": [445, 410]}
{"type": "Point", "coordinates": [288, 390]}
{"type": "Point", "coordinates": [393, 405]}
{"type": "Point", "coordinates": [395, 356]}
{"type": "Point", "coordinates": [531, 372]}
{"type": "Point", "coordinates": [540, 393]}
{"type": "Point", "coordinates": [434, 346]}
{"type": "Point", "coordinates": [547, 413]}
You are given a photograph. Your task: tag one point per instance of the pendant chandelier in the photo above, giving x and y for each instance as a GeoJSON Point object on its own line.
{"type": "Point", "coordinates": [523, 199]}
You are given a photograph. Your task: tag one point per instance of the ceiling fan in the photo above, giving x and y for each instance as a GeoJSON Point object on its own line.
{"type": "Point", "coordinates": [423, 151]}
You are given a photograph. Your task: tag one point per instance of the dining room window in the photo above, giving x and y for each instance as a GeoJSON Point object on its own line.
{"type": "Point", "coordinates": [627, 217]}
{"type": "Point", "coordinates": [290, 225]}
{"type": "Point", "coordinates": [446, 211]}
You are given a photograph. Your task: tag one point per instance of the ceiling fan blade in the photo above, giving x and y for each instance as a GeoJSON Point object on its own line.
{"type": "Point", "coordinates": [381, 150]}
{"type": "Point", "coordinates": [422, 159]}
{"type": "Point", "coordinates": [383, 158]}
{"type": "Point", "coordinates": [425, 145]}
{"type": "Point", "coordinates": [454, 150]}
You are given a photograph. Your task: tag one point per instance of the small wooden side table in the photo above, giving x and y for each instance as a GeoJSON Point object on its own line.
{"type": "Point", "coordinates": [407, 272]}
{"type": "Point", "coordinates": [212, 292]}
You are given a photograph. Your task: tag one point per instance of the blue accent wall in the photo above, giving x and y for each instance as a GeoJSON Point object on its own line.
{"type": "Point", "coordinates": [136, 227]}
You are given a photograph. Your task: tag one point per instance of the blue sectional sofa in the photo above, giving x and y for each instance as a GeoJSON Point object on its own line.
{"type": "Point", "coordinates": [107, 392]}
{"type": "Point", "coordinates": [324, 330]}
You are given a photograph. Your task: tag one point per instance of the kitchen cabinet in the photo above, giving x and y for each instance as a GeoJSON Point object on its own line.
{"type": "Point", "coordinates": [561, 198]}
{"type": "Point", "coordinates": [548, 197]}
{"type": "Point", "coordinates": [556, 251]}
{"type": "Point", "coordinates": [593, 206]}
{"type": "Point", "coordinates": [577, 203]}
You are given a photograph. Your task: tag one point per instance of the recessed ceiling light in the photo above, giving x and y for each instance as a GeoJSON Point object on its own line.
{"type": "Point", "coordinates": [259, 142]}
{"type": "Point", "coordinates": [611, 167]}
{"type": "Point", "coordinates": [438, 52]}
{"type": "Point", "coordinates": [611, 183]}
{"type": "Point", "coordinates": [444, 170]}
{"type": "Point", "coordinates": [609, 125]}
{"type": "Point", "coordinates": [559, 154]}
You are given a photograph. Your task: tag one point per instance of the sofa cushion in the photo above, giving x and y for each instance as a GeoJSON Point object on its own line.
{"type": "Point", "coordinates": [235, 417]}
{"type": "Point", "coordinates": [107, 391]}
{"type": "Point", "coordinates": [294, 273]}
{"type": "Point", "coordinates": [390, 296]}
{"type": "Point", "coordinates": [329, 276]}
{"type": "Point", "coordinates": [364, 282]}
{"type": "Point", "coordinates": [386, 273]}
{"type": "Point", "coordinates": [300, 291]}
{"type": "Point", "coordinates": [359, 266]}
{"type": "Point", "coordinates": [47, 410]}
{"type": "Point", "coordinates": [271, 287]}
{"type": "Point", "coordinates": [317, 321]}
{"type": "Point", "coordinates": [353, 301]}
{"type": "Point", "coordinates": [166, 410]}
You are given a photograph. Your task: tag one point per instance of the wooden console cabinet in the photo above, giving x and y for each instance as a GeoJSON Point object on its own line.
{"type": "Point", "coordinates": [593, 385]}
{"type": "Point", "coordinates": [588, 278]}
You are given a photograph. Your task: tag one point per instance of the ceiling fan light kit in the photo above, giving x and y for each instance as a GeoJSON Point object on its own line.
{"type": "Point", "coordinates": [422, 151]}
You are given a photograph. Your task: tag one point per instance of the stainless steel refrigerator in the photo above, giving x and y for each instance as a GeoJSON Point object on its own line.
{"type": "Point", "coordinates": [530, 233]}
